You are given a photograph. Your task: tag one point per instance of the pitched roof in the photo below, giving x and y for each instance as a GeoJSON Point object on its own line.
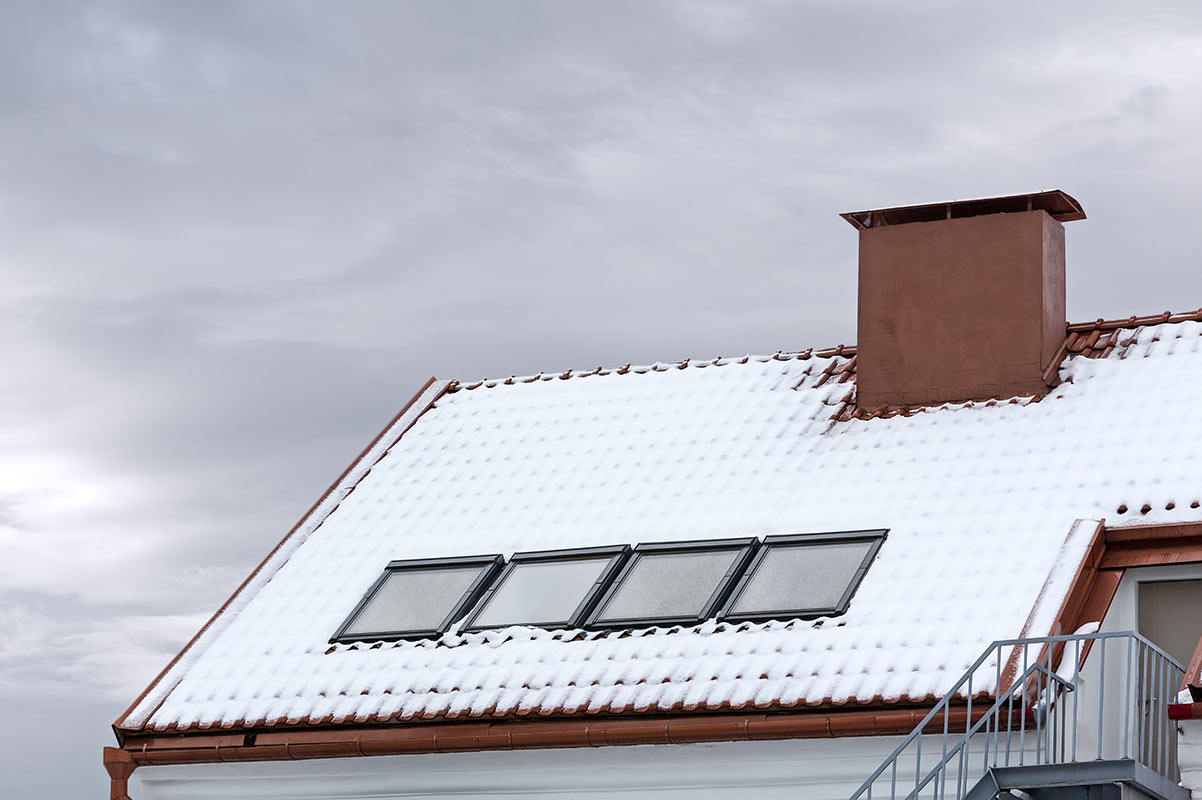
{"type": "Point", "coordinates": [983, 502]}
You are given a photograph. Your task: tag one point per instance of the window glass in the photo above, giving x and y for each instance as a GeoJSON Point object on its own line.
{"type": "Point", "coordinates": [543, 593]}
{"type": "Point", "coordinates": [800, 578]}
{"type": "Point", "coordinates": [670, 585]}
{"type": "Point", "coordinates": [414, 600]}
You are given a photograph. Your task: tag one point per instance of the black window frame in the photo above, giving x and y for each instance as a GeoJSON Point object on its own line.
{"type": "Point", "coordinates": [744, 547]}
{"type": "Point", "coordinates": [876, 538]}
{"type": "Point", "coordinates": [618, 554]}
{"type": "Point", "coordinates": [490, 565]}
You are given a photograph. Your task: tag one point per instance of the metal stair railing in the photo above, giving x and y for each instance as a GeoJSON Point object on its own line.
{"type": "Point", "coordinates": [1037, 702]}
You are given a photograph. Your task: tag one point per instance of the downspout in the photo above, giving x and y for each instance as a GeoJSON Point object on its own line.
{"type": "Point", "coordinates": [119, 764]}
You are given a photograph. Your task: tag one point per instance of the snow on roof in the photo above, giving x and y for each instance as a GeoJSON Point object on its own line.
{"type": "Point", "coordinates": [981, 500]}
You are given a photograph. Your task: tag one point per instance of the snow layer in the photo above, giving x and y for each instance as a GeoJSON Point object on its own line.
{"type": "Point", "coordinates": [980, 501]}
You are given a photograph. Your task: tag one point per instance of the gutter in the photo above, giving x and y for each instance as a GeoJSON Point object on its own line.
{"type": "Point", "coordinates": [510, 734]}
{"type": "Point", "coordinates": [520, 734]}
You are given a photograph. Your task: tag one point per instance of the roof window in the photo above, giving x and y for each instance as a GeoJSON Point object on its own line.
{"type": "Point", "coordinates": [803, 576]}
{"type": "Point", "coordinates": [419, 599]}
{"type": "Point", "coordinates": [552, 589]}
{"type": "Point", "coordinates": [611, 588]}
{"type": "Point", "coordinates": [678, 583]}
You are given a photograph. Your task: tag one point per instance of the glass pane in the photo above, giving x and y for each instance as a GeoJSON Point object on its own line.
{"type": "Point", "coordinates": [670, 585]}
{"type": "Point", "coordinates": [413, 600]}
{"type": "Point", "coordinates": [800, 577]}
{"type": "Point", "coordinates": [541, 593]}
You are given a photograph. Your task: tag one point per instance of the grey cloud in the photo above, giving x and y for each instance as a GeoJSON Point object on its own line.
{"type": "Point", "coordinates": [236, 236]}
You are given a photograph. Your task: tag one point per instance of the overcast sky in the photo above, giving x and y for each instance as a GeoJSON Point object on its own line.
{"type": "Point", "coordinates": [236, 237]}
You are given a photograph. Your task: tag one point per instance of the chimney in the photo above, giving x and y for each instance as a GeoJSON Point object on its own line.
{"type": "Point", "coordinates": [960, 301]}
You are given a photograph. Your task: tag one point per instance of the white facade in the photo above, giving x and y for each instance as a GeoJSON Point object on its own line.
{"type": "Point", "coordinates": [1189, 751]}
{"type": "Point", "coordinates": [814, 769]}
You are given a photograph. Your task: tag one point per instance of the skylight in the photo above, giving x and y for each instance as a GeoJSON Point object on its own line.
{"type": "Point", "coordinates": [419, 599]}
{"type": "Point", "coordinates": [608, 588]}
{"type": "Point", "coordinates": [553, 589]}
{"type": "Point", "coordinates": [678, 583]}
{"type": "Point", "coordinates": [803, 576]}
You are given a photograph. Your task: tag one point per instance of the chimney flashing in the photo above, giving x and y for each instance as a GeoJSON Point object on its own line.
{"type": "Point", "coordinates": [1059, 205]}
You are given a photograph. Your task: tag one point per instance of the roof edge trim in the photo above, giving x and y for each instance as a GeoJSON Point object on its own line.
{"type": "Point", "coordinates": [1101, 324]}
{"type": "Point", "coordinates": [1150, 545]}
{"type": "Point", "coordinates": [471, 736]}
{"type": "Point", "coordinates": [138, 713]}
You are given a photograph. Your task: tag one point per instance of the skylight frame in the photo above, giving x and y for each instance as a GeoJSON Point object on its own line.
{"type": "Point", "coordinates": [618, 555]}
{"type": "Point", "coordinates": [744, 547]}
{"type": "Point", "coordinates": [489, 565]}
{"type": "Point", "coordinates": [876, 539]}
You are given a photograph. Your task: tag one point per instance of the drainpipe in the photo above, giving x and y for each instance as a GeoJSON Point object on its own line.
{"type": "Point", "coordinates": [120, 765]}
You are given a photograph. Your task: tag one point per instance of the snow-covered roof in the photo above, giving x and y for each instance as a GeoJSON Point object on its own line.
{"type": "Point", "coordinates": [983, 503]}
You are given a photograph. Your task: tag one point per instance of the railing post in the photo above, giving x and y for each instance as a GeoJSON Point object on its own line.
{"type": "Point", "coordinates": [1037, 709]}
{"type": "Point", "coordinates": [1101, 694]}
{"type": "Point", "coordinates": [1162, 709]}
{"type": "Point", "coordinates": [941, 784]}
{"type": "Point", "coordinates": [918, 764]}
{"type": "Point", "coordinates": [1022, 710]}
{"type": "Point", "coordinates": [1009, 722]}
{"type": "Point", "coordinates": [997, 730]}
{"type": "Point", "coordinates": [1076, 691]}
{"type": "Point", "coordinates": [961, 777]}
{"type": "Point", "coordinates": [1127, 703]}
{"type": "Point", "coordinates": [1141, 730]}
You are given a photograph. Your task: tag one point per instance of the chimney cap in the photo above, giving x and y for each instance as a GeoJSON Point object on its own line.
{"type": "Point", "coordinates": [1060, 206]}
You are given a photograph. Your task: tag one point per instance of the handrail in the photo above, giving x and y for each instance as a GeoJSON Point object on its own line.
{"type": "Point", "coordinates": [1028, 719]}
{"type": "Point", "coordinates": [1033, 671]}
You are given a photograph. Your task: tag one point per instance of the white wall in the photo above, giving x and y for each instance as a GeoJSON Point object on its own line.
{"type": "Point", "coordinates": [1189, 752]}
{"type": "Point", "coordinates": [815, 769]}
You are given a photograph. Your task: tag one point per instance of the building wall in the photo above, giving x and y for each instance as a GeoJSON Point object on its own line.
{"type": "Point", "coordinates": [822, 769]}
{"type": "Point", "coordinates": [1189, 754]}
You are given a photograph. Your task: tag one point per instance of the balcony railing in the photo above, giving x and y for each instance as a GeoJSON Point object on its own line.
{"type": "Point", "coordinates": [1098, 699]}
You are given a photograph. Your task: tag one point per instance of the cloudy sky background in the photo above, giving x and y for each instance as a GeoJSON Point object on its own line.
{"type": "Point", "coordinates": [236, 237]}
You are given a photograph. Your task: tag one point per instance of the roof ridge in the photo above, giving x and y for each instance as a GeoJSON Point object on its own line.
{"type": "Point", "coordinates": [1099, 324]}
{"type": "Point", "coordinates": [659, 366]}
{"type": "Point", "coordinates": [1134, 322]}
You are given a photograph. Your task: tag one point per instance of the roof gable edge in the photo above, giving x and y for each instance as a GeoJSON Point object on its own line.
{"type": "Point", "coordinates": [159, 689]}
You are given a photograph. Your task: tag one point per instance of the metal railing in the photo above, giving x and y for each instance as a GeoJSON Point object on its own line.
{"type": "Point", "coordinates": [1047, 700]}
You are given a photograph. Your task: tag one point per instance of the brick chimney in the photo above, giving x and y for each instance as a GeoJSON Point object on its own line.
{"type": "Point", "coordinates": [960, 301]}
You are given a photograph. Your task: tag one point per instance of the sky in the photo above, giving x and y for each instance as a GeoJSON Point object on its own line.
{"type": "Point", "coordinates": [236, 237]}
